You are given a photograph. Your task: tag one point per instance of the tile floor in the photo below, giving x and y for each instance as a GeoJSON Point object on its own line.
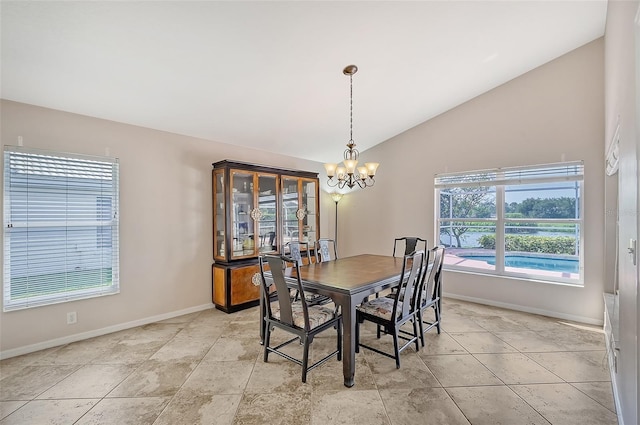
{"type": "Point", "coordinates": [489, 366]}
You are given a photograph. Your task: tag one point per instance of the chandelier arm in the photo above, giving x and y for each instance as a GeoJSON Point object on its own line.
{"type": "Point", "coordinates": [350, 182]}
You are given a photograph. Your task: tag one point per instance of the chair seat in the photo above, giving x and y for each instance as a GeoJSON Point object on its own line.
{"type": "Point", "coordinates": [315, 299]}
{"type": "Point", "coordinates": [318, 315]}
{"type": "Point", "coordinates": [380, 307]}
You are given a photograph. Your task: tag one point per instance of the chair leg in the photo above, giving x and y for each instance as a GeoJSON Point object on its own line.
{"type": "Point", "coordinates": [437, 308]}
{"type": "Point", "coordinates": [415, 332]}
{"type": "Point", "coordinates": [305, 359]}
{"type": "Point", "coordinates": [267, 339]}
{"type": "Point", "coordinates": [378, 331]}
{"type": "Point", "coordinates": [357, 335]}
{"type": "Point", "coordinates": [262, 325]}
{"type": "Point", "coordinates": [421, 323]}
{"type": "Point", "coordinates": [395, 347]}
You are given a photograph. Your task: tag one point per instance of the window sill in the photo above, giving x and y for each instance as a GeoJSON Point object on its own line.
{"type": "Point", "coordinates": [517, 276]}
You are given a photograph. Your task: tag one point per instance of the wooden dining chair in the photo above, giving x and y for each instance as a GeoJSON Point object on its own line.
{"type": "Point", "coordinates": [297, 250]}
{"type": "Point", "coordinates": [326, 250]}
{"type": "Point", "coordinates": [390, 314]}
{"type": "Point", "coordinates": [411, 243]}
{"type": "Point", "coordinates": [296, 317]}
{"type": "Point", "coordinates": [430, 292]}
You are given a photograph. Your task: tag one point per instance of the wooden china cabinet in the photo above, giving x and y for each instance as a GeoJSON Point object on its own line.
{"type": "Point", "coordinates": [256, 210]}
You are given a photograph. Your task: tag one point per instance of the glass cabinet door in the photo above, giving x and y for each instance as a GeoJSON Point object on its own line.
{"type": "Point", "coordinates": [218, 210]}
{"type": "Point", "coordinates": [290, 207]}
{"type": "Point", "coordinates": [266, 213]}
{"type": "Point", "coordinates": [258, 212]}
{"type": "Point", "coordinates": [242, 203]}
{"type": "Point", "coordinates": [309, 206]}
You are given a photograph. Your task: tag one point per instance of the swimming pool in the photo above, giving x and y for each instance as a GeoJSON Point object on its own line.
{"type": "Point", "coordinates": [533, 262]}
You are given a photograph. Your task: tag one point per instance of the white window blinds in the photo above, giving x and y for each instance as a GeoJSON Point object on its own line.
{"type": "Point", "coordinates": [566, 171]}
{"type": "Point", "coordinates": [60, 227]}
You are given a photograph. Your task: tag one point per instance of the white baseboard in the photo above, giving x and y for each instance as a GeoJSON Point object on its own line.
{"type": "Point", "coordinates": [517, 307]}
{"type": "Point", "coordinates": [98, 332]}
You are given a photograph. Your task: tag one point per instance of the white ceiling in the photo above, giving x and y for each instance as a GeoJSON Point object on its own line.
{"type": "Point", "coordinates": [269, 74]}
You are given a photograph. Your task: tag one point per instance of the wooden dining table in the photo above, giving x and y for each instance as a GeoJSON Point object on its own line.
{"type": "Point", "coordinates": [348, 281]}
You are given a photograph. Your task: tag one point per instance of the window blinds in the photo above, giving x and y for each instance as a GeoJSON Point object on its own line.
{"type": "Point", "coordinates": [565, 171]}
{"type": "Point", "coordinates": [60, 227]}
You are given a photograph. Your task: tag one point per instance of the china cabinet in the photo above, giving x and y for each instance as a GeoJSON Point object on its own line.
{"type": "Point", "coordinates": [256, 210]}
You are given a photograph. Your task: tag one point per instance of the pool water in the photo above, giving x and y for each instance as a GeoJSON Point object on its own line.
{"type": "Point", "coordinates": [536, 263]}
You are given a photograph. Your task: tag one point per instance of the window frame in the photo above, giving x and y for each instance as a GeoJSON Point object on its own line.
{"type": "Point", "coordinates": [499, 179]}
{"type": "Point", "coordinates": [60, 224]}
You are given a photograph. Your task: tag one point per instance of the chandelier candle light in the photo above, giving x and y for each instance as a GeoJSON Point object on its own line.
{"type": "Point", "coordinates": [350, 175]}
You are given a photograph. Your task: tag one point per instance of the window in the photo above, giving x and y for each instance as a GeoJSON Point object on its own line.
{"type": "Point", "coordinates": [60, 227]}
{"type": "Point", "coordinates": [523, 221]}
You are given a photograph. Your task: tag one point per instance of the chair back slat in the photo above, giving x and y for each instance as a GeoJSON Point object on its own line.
{"type": "Point", "coordinates": [266, 294]}
{"type": "Point", "coordinates": [438, 276]}
{"type": "Point", "coordinates": [277, 266]}
{"type": "Point", "coordinates": [430, 291]}
{"type": "Point", "coordinates": [424, 271]}
{"type": "Point", "coordinates": [412, 262]}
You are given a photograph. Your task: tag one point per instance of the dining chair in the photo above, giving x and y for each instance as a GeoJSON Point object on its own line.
{"type": "Point", "coordinates": [410, 244]}
{"type": "Point", "coordinates": [392, 313]}
{"type": "Point", "coordinates": [326, 250]}
{"type": "Point", "coordinates": [430, 291]}
{"type": "Point", "coordinates": [421, 278]}
{"type": "Point", "coordinates": [297, 250]}
{"type": "Point", "coordinates": [296, 317]}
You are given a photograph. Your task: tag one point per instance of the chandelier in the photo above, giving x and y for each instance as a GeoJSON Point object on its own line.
{"type": "Point", "coordinates": [350, 175]}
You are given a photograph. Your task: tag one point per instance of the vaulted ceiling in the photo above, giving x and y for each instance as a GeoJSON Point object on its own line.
{"type": "Point", "coordinates": [268, 74]}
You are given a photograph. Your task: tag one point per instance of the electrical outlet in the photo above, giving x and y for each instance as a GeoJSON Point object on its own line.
{"type": "Point", "coordinates": [72, 318]}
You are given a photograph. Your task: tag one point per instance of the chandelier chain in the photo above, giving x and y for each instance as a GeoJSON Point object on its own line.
{"type": "Point", "coordinates": [351, 108]}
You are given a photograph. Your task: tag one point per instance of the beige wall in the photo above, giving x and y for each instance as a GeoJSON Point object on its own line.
{"type": "Point", "coordinates": [165, 219]}
{"type": "Point", "coordinates": [552, 113]}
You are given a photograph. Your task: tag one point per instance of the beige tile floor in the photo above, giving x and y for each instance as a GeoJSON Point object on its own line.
{"type": "Point", "coordinates": [489, 366]}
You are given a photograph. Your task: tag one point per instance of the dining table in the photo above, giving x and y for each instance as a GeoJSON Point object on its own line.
{"type": "Point", "coordinates": [348, 282]}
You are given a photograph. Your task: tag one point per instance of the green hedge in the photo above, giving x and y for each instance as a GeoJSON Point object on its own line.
{"type": "Point", "coordinates": [531, 243]}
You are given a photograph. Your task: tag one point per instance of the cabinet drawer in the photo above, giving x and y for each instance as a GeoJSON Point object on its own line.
{"type": "Point", "coordinates": [232, 286]}
{"type": "Point", "coordinates": [242, 288]}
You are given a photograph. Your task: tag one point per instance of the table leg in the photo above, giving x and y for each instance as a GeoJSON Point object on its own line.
{"type": "Point", "coordinates": [348, 341]}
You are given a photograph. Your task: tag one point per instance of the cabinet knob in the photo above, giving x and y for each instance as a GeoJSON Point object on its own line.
{"type": "Point", "coordinates": [256, 279]}
{"type": "Point", "coordinates": [256, 214]}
